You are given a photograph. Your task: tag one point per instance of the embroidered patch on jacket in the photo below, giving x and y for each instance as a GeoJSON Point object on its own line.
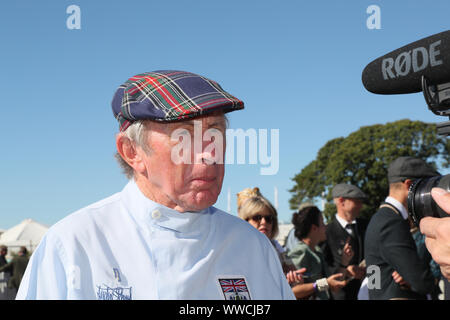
{"type": "Point", "coordinates": [116, 291]}
{"type": "Point", "coordinates": [105, 292]}
{"type": "Point", "coordinates": [234, 287]}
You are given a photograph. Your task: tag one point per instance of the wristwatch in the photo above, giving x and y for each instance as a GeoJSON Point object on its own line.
{"type": "Point", "coordinates": [322, 284]}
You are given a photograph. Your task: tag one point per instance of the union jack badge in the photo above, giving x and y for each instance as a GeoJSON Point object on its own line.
{"type": "Point", "coordinates": [234, 288]}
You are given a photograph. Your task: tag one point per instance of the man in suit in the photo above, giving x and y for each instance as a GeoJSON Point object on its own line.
{"type": "Point", "coordinates": [3, 253]}
{"type": "Point", "coordinates": [17, 268]}
{"type": "Point", "coordinates": [346, 227]}
{"type": "Point", "coordinates": [389, 244]}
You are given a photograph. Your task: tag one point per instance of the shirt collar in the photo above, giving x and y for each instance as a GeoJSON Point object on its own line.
{"type": "Point", "coordinates": [343, 222]}
{"type": "Point", "coordinates": [154, 213]}
{"type": "Point", "coordinates": [400, 207]}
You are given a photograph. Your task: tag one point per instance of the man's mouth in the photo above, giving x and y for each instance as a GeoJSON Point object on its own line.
{"type": "Point", "coordinates": [204, 181]}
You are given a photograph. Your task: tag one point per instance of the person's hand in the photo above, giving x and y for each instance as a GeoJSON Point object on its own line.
{"type": "Point", "coordinates": [347, 253]}
{"type": "Point", "coordinates": [336, 282]}
{"type": "Point", "coordinates": [399, 280]}
{"type": "Point", "coordinates": [356, 272]}
{"type": "Point", "coordinates": [294, 277]}
{"type": "Point", "coordinates": [437, 232]}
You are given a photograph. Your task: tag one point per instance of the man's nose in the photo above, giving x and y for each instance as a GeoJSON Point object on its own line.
{"type": "Point", "coordinates": [205, 158]}
{"type": "Point", "coordinates": [209, 154]}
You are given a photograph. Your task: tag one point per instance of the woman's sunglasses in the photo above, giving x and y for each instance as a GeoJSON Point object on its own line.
{"type": "Point", "coordinates": [258, 218]}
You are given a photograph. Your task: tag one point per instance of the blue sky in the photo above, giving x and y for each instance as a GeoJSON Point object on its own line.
{"type": "Point", "coordinates": [296, 64]}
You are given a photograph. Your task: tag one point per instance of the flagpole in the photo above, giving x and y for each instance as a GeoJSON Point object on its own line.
{"type": "Point", "coordinates": [275, 191]}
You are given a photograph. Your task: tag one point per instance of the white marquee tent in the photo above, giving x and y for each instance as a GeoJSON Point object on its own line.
{"type": "Point", "coordinates": [283, 231]}
{"type": "Point", "coordinates": [28, 233]}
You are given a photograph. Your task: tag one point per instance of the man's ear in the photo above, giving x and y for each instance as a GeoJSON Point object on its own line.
{"type": "Point", "coordinates": [408, 183]}
{"type": "Point", "coordinates": [338, 201]}
{"type": "Point", "coordinates": [130, 153]}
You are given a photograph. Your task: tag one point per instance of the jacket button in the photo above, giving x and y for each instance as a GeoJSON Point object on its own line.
{"type": "Point", "coordinates": [156, 214]}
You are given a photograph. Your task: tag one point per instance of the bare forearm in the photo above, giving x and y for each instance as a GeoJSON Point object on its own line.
{"type": "Point", "coordinates": [303, 290]}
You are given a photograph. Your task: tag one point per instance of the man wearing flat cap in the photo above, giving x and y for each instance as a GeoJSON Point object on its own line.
{"type": "Point", "coordinates": [389, 243]}
{"type": "Point", "coordinates": [346, 227]}
{"type": "Point", "coordinates": [160, 237]}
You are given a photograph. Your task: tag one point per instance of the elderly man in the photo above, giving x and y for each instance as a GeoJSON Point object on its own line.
{"type": "Point", "coordinates": [160, 237]}
{"type": "Point", "coordinates": [389, 243]}
{"type": "Point", "coordinates": [346, 227]}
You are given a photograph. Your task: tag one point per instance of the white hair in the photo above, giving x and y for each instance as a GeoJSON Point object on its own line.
{"type": "Point", "coordinates": [137, 133]}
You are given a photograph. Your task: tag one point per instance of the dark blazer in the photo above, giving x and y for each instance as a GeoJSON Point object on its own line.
{"type": "Point", "coordinates": [17, 268]}
{"type": "Point", "coordinates": [390, 246]}
{"type": "Point", "coordinates": [332, 249]}
{"type": "Point", "coordinates": [2, 260]}
{"type": "Point", "coordinates": [446, 289]}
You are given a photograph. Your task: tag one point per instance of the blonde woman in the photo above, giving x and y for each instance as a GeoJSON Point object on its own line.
{"type": "Point", "coordinates": [260, 213]}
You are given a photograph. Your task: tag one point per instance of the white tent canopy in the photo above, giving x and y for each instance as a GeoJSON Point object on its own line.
{"type": "Point", "coordinates": [28, 233]}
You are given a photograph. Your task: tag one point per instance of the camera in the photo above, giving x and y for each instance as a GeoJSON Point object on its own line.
{"type": "Point", "coordinates": [437, 97]}
{"type": "Point", "coordinates": [420, 202]}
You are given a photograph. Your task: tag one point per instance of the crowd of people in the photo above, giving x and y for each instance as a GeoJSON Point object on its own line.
{"type": "Point", "coordinates": [184, 248]}
{"type": "Point", "coordinates": [332, 259]}
{"type": "Point", "coordinates": [13, 270]}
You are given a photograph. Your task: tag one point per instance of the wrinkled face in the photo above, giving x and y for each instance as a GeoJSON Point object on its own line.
{"type": "Point", "coordinates": [185, 166]}
{"type": "Point", "coordinates": [263, 221]}
{"type": "Point", "coordinates": [352, 206]}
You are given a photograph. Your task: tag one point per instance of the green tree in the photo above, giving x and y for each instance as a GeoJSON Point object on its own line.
{"type": "Point", "coordinates": [362, 159]}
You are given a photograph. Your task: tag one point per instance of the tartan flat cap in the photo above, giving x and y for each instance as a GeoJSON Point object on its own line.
{"type": "Point", "coordinates": [348, 191]}
{"type": "Point", "coordinates": [169, 95]}
{"type": "Point", "coordinates": [404, 168]}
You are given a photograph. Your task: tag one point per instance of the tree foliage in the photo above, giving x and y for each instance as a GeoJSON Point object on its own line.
{"type": "Point", "coordinates": [362, 159]}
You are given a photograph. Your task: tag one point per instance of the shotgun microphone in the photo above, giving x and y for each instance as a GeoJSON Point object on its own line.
{"type": "Point", "coordinates": [401, 70]}
{"type": "Point", "coordinates": [424, 66]}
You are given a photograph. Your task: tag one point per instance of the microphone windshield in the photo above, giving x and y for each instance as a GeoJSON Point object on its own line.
{"type": "Point", "coordinates": [400, 71]}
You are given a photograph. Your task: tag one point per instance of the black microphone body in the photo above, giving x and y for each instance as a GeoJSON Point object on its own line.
{"type": "Point", "coordinates": [401, 70]}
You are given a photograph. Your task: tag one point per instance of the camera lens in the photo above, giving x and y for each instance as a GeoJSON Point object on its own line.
{"type": "Point", "coordinates": [420, 202]}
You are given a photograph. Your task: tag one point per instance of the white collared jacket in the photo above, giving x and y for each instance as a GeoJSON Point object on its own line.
{"type": "Point", "coordinates": [129, 247]}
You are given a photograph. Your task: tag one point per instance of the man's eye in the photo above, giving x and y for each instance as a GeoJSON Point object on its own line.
{"type": "Point", "coordinates": [185, 131]}
{"type": "Point", "coordinates": [218, 128]}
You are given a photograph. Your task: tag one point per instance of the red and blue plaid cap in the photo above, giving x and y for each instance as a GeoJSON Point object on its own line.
{"type": "Point", "coordinates": [169, 96]}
